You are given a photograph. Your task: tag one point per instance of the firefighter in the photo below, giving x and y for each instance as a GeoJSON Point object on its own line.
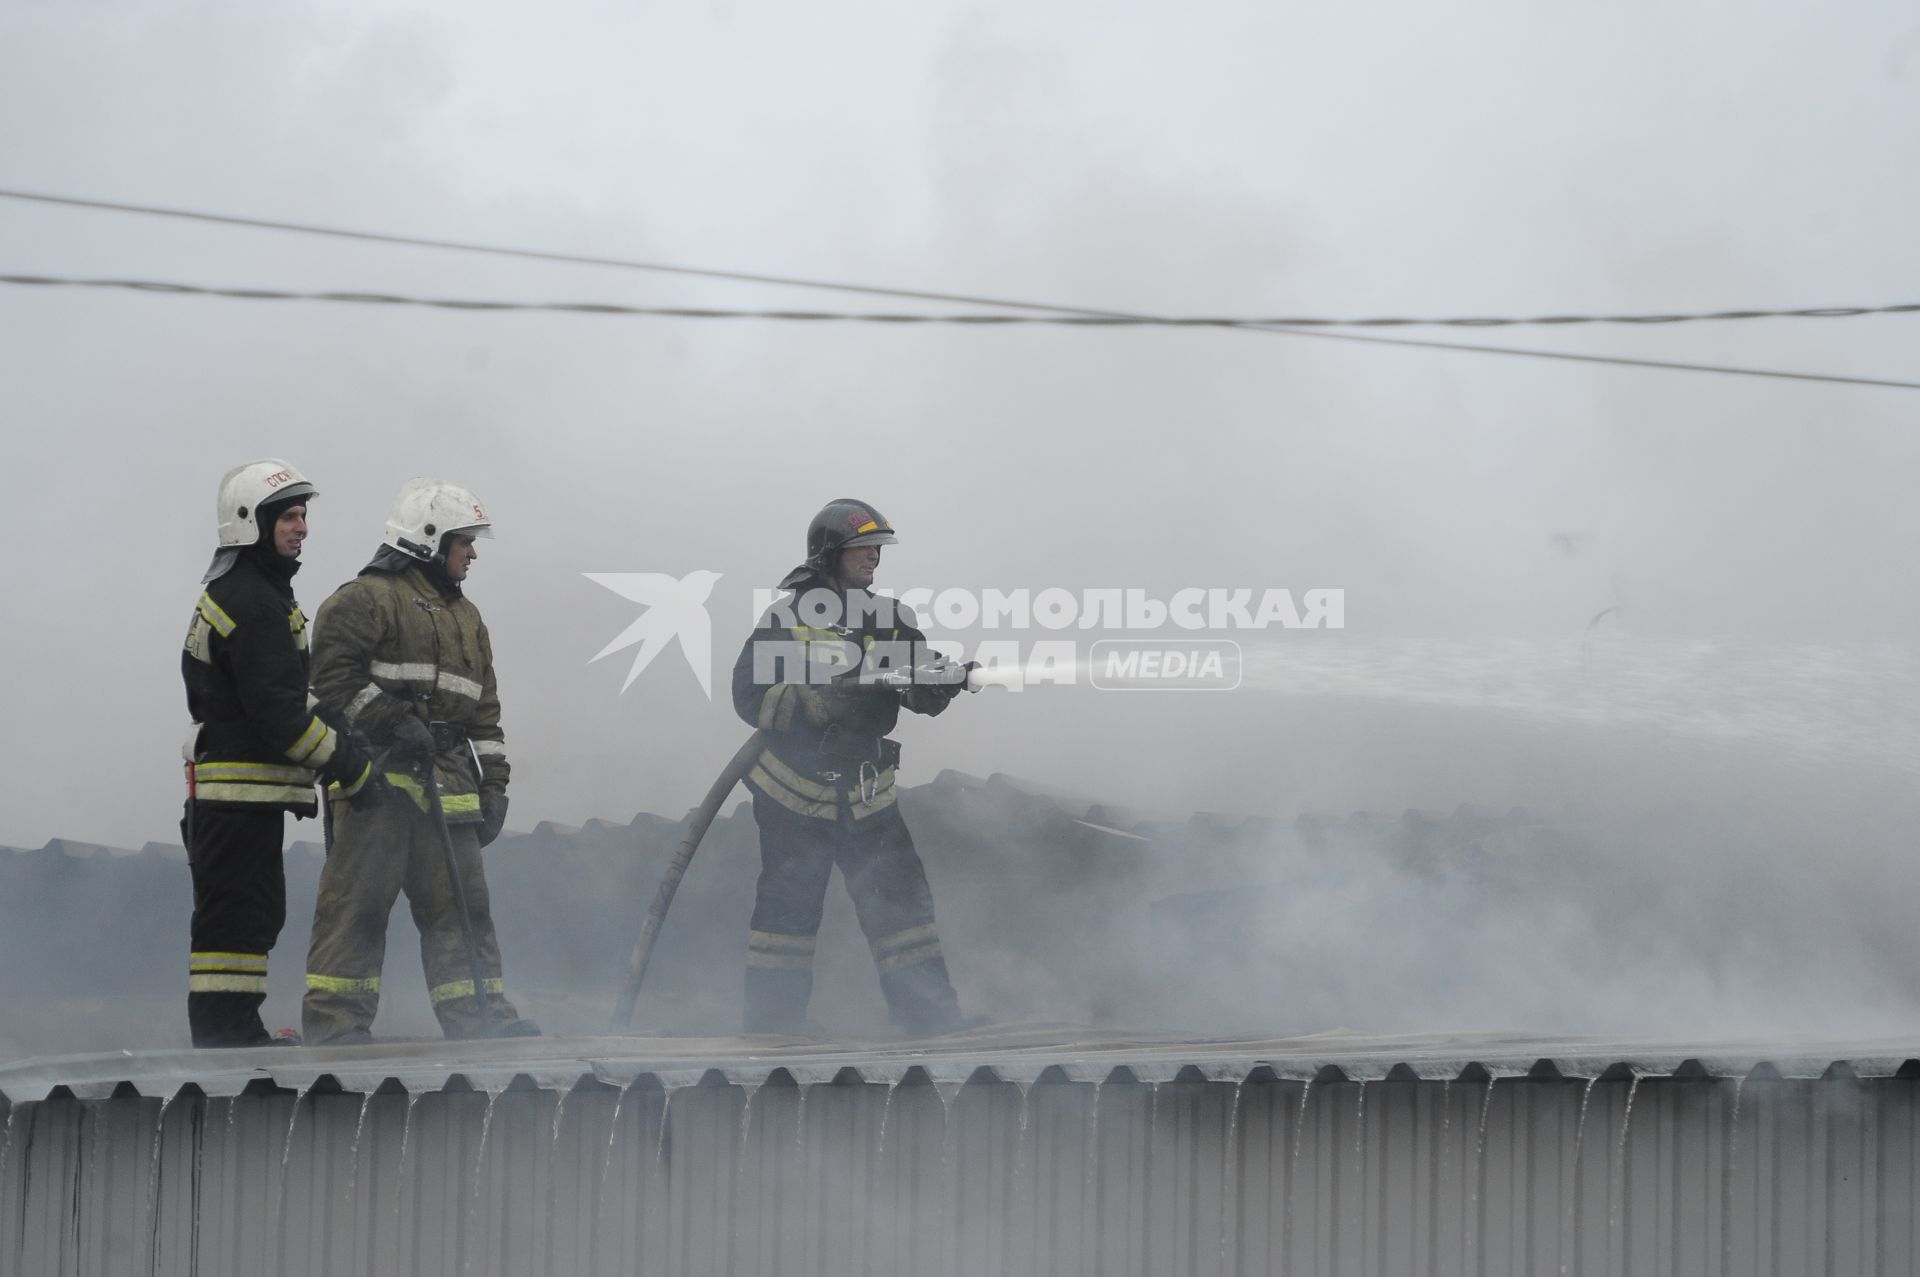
{"type": "Point", "coordinates": [257, 744]}
{"type": "Point", "coordinates": [403, 654]}
{"type": "Point", "coordinates": [824, 787]}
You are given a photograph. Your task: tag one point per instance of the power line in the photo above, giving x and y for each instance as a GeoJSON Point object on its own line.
{"type": "Point", "coordinates": [1619, 361]}
{"type": "Point", "coordinates": [1070, 320]}
{"type": "Point", "coordinates": [532, 254]}
{"type": "Point", "coordinates": [986, 319]}
{"type": "Point", "coordinates": [916, 294]}
{"type": "Point", "coordinates": [789, 281]}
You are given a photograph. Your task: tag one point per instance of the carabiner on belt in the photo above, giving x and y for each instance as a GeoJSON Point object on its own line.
{"type": "Point", "coordinates": [869, 783]}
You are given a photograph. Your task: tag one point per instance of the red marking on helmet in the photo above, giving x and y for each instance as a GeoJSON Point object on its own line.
{"type": "Point", "coordinates": [858, 517]}
{"type": "Point", "coordinates": [279, 477]}
{"type": "Point", "coordinates": [478, 513]}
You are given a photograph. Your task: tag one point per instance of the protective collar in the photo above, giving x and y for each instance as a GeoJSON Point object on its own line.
{"type": "Point", "coordinates": [389, 559]}
{"type": "Point", "coordinates": [800, 576]}
{"type": "Point", "coordinates": [223, 560]}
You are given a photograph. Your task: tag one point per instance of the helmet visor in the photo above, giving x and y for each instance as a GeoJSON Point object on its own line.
{"type": "Point", "coordinates": [292, 494]}
{"type": "Point", "coordinates": [883, 537]}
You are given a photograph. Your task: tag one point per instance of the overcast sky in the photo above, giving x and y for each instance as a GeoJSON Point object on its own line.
{"type": "Point", "coordinates": [1236, 158]}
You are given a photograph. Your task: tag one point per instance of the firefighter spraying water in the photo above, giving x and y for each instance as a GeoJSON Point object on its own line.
{"type": "Point", "coordinates": [823, 679]}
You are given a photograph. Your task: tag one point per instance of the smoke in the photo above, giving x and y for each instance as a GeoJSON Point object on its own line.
{"type": "Point", "coordinates": [1676, 891]}
{"type": "Point", "coordinates": [1744, 540]}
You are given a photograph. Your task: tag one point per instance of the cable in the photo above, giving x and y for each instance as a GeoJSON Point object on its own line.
{"type": "Point", "coordinates": [1098, 321]}
{"type": "Point", "coordinates": [533, 254]}
{"type": "Point", "coordinates": [1004, 303]}
{"type": "Point", "coordinates": [1620, 361]}
{"type": "Point", "coordinates": [788, 281]}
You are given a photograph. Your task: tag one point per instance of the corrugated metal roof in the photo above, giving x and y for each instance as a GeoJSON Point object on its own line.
{"type": "Point", "coordinates": [1064, 909]}
{"type": "Point", "coordinates": [1513, 1178]}
{"type": "Point", "coordinates": [1021, 1056]}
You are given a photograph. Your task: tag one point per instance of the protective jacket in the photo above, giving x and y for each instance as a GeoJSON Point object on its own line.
{"type": "Point", "coordinates": [847, 766]}
{"type": "Point", "coordinates": [259, 739]}
{"type": "Point", "coordinates": [402, 639]}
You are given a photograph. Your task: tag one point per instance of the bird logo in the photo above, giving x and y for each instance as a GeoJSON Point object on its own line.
{"type": "Point", "coordinates": [676, 608]}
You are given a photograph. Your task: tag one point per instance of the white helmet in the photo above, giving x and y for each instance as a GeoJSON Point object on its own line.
{"type": "Point", "coordinates": [426, 510]}
{"type": "Point", "coordinates": [246, 488]}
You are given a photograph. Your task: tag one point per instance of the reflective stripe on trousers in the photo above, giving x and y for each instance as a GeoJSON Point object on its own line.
{"type": "Point", "coordinates": [773, 951]}
{"type": "Point", "coordinates": [227, 973]}
{"type": "Point", "coordinates": [907, 948]}
{"type": "Point", "coordinates": [891, 897]}
{"type": "Point", "coordinates": [462, 989]}
{"type": "Point", "coordinates": [377, 855]}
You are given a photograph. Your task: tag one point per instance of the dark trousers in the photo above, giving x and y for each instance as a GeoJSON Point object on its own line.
{"type": "Point", "coordinates": [890, 895]}
{"type": "Point", "coordinates": [239, 906]}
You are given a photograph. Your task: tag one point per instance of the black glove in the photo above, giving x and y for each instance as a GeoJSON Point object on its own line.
{"type": "Point", "coordinates": [373, 791]}
{"type": "Point", "coordinates": [493, 816]}
{"type": "Point", "coordinates": [350, 757]}
{"type": "Point", "coordinates": [413, 739]}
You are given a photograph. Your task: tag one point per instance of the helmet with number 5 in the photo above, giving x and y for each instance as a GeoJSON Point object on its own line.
{"type": "Point", "coordinates": [427, 511]}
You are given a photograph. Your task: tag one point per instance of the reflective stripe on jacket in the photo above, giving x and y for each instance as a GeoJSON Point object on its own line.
{"type": "Point", "coordinates": [259, 739]}
{"type": "Point", "coordinates": [807, 769]}
{"type": "Point", "coordinates": [391, 644]}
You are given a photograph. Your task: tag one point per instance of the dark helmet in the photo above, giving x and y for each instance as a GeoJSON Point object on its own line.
{"type": "Point", "coordinates": [843, 524]}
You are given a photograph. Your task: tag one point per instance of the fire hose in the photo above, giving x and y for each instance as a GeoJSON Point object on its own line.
{"type": "Point", "coordinates": [702, 817]}
{"type": "Point", "coordinates": [734, 772]}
